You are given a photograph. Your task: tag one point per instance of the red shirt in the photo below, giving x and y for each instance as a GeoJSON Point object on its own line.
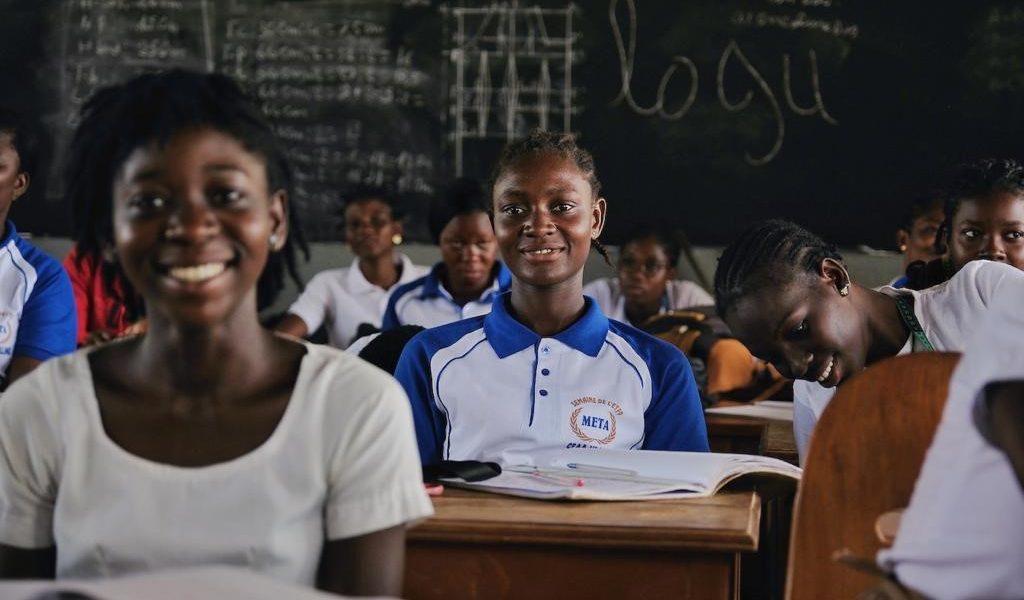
{"type": "Point", "coordinates": [91, 297]}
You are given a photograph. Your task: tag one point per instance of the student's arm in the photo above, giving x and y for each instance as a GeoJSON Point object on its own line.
{"type": "Point", "coordinates": [26, 563]}
{"type": "Point", "coordinates": [48, 325]}
{"type": "Point", "coordinates": [675, 418]}
{"type": "Point", "coordinates": [1006, 422]}
{"type": "Point", "coordinates": [365, 565]}
{"type": "Point", "coordinates": [413, 372]}
{"type": "Point", "coordinates": [292, 325]}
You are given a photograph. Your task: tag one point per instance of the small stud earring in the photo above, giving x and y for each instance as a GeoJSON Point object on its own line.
{"type": "Point", "coordinates": [903, 248]}
{"type": "Point", "coordinates": [845, 290]}
{"type": "Point", "coordinates": [273, 242]}
{"type": "Point", "coordinates": [396, 239]}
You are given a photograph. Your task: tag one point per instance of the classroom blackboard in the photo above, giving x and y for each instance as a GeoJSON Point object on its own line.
{"type": "Point", "coordinates": [706, 114]}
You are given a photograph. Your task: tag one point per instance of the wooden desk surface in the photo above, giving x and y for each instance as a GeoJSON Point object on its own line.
{"type": "Point", "coordinates": [727, 521]}
{"type": "Point", "coordinates": [481, 545]}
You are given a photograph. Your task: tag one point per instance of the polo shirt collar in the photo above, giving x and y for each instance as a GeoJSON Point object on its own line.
{"type": "Point", "coordinates": [508, 336]}
{"type": "Point", "coordinates": [434, 288]}
{"type": "Point", "coordinates": [358, 283]}
{"type": "Point", "coordinates": [10, 233]}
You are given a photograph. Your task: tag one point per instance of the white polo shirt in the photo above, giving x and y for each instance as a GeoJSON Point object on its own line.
{"type": "Point", "coordinates": [948, 313]}
{"type": "Point", "coordinates": [344, 299]}
{"type": "Point", "coordinates": [426, 302]}
{"type": "Point", "coordinates": [963, 534]}
{"type": "Point", "coordinates": [489, 388]}
{"type": "Point", "coordinates": [679, 294]}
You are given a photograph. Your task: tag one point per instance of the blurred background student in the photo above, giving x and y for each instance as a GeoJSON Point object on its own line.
{"type": "Point", "coordinates": [917, 231]}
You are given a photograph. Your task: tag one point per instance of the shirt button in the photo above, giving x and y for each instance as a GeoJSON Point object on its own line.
{"type": "Point", "coordinates": [545, 350]}
{"type": "Point", "coordinates": [543, 392]}
{"type": "Point", "coordinates": [545, 372]}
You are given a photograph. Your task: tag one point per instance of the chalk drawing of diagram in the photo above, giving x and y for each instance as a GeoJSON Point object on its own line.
{"type": "Point", "coordinates": [512, 72]}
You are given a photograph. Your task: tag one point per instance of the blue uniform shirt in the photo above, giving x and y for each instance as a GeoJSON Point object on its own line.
{"type": "Point", "coordinates": [489, 388]}
{"type": "Point", "coordinates": [426, 302]}
{"type": "Point", "coordinates": [37, 307]}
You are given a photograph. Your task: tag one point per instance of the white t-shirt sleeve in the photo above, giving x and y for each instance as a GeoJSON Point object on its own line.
{"type": "Point", "coordinates": [600, 290]}
{"type": "Point", "coordinates": [809, 401]}
{"type": "Point", "coordinates": [29, 465]}
{"type": "Point", "coordinates": [314, 304]}
{"type": "Point", "coordinates": [374, 474]}
{"type": "Point", "coordinates": [688, 294]}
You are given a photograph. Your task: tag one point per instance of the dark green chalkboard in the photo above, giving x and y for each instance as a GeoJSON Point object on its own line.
{"type": "Point", "coordinates": [708, 114]}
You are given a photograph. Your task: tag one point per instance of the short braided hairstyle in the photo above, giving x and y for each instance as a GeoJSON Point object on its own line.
{"type": "Point", "coordinates": [539, 142]}
{"type": "Point", "coordinates": [153, 108]}
{"type": "Point", "coordinates": [974, 180]}
{"type": "Point", "coordinates": [766, 254]}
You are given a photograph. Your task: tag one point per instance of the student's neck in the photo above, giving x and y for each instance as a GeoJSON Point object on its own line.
{"type": "Point", "coordinates": [381, 270]}
{"type": "Point", "coordinates": [886, 329]}
{"type": "Point", "coordinates": [547, 310]}
{"type": "Point", "coordinates": [202, 360]}
{"type": "Point", "coordinates": [463, 295]}
{"type": "Point", "coordinates": [637, 314]}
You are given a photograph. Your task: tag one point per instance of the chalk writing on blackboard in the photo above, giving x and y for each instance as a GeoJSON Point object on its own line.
{"type": "Point", "coordinates": [626, 48]}
{"type": "Point", "coordinates": [513, 71]}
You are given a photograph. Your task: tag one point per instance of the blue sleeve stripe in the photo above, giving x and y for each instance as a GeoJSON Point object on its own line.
{"type": "Point", "coordinates": [625, 360]}
{"type": "Point", "coordinates": [437, 394]}
{"type": "Point", "coordinates": [24, 276]}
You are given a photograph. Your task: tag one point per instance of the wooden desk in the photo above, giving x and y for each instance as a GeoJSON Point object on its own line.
{"type": "Point", "coordinates": [742, 435]}
{"type": "Point", "coordinates": [488, 546]}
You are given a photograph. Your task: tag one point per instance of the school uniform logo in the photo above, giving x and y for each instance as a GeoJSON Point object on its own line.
{"type": "Point", "coordinates": [7, 329]}
{"type": "Point", "coordinates": [594, 420]}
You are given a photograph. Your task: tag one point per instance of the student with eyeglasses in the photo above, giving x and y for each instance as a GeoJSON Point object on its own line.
{"type": "Point", "coordinates": [352, 299]}
{"type": "Point", "coordinates": [467, 278]}
{"type": "Point", "coordinates": [646, 284]}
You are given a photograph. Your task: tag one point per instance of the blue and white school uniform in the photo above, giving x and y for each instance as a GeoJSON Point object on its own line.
{"type": "Point", "coordinates": [38, 318]}
{"type": "Point", "coordinates": [489, 388]}
{"type": "Point", "coordinates": [426, 302]}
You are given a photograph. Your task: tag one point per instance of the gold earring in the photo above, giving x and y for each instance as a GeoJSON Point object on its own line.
{"type": "Point", "coordinates": [396, 239]}
{"type": "Point", "coordinates": [845, 290]}
{"type": "Point", "coordinates": [273, 242]}
{"type": "Point", "coordinates": [903, 248]}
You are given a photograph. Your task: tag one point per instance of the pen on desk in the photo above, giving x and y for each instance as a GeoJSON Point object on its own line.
{"type": "Point", "coordinates": [600, 469]}
{"type": "Point", "coordinates": [559, 480]}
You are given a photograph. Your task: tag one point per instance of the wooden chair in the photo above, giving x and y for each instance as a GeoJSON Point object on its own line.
{"type": "Point", "coordinates": [863, 459]}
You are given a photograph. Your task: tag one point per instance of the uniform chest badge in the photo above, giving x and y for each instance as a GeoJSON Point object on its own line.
{"type": "Point", "coordinates": [7, 328]}
{"type": "Point", "coordinates": [594, 420]}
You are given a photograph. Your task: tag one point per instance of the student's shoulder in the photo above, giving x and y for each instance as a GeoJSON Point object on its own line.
{"type": "Point", "coordinates": [977, 283]}
{"type": "Point", "coordinates": [435, 338]}
{"type": "Point", "coordinates": [330, 368]}
{"type": "Point", "coordinates": [59, 385]}
{"type": "Point", "coordinates": [409, 287]}
{"type": "Point", "coordinates": [655, 351]}
{"type": "Point", "coordinates": [44, 265]}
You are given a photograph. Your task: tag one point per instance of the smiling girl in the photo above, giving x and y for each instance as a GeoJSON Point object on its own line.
{"type": "Point", "coordinates": [787, 295]}
{"type": "Point", "coordinates": [207, 440]}
{"type": "Point", "coordinates": [546, 369]}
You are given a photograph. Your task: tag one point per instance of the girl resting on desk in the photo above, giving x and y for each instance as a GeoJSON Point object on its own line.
{"type": "Point", "coordinates": [787, 295]}
{"type": "Point", "coordinates": [546, 368]}
{"type": "Point", "coordinates": [208, 439]}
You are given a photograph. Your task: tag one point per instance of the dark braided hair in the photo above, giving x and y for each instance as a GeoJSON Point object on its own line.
{"type": "Point", "coordinates": [539, 142]}
{"type": "Point", "coordinates": [153, 108]}
{"type": "Point", "coordinates": [463, 196]}
{"type": "Point", "coordinates": [767, 254]}
{"type": "Point", "coordinates": [23, 139]}
{"type": "Point", "coordinates": [975, 180]}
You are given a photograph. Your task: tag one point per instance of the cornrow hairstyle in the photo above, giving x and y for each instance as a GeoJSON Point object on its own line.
{"type": "Point", "coordinates": [463, 196]}
{"type": "Point", "coordinates": [662, 235]}
{"type": "Point", "coordinates": [22, 138]}
{"type": "Point", "coordinates": [974, 180]}
{"type": "Point", "coordinates": [152, 109]}
{"type": "Point", "coordinates": [767, 254]}
{"type": "Point", "coordinates": [539, 142]}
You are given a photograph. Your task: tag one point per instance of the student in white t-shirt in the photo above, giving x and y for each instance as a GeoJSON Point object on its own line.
{"type": "Point", "coordinates": [350, 301]}
{"type": "Point", "coordinates": [962, 536]}
{"type": "Point", "coordinates": [208, 439]}
{"type": "Point", "coordinates": [787, 295]}
{"type": "Point", "coordinates": [646, 283]}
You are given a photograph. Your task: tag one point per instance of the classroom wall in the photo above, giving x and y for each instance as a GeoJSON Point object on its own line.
{"type": "Point", "coordinates": [873, 268]}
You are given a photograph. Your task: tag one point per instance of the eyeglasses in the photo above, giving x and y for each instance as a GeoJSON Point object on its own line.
{"type": "Point", "coordinates": [376, 222]}
{"type": "Point", "coordinates": [649, 267]}
{"type": "Point", "coordinates": [460, 245]}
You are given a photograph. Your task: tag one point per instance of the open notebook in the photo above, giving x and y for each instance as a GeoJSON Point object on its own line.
{"type": "Point", "coordinates": [595, 474]}
{"type": "Point", "coordinates": [768, 410]}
